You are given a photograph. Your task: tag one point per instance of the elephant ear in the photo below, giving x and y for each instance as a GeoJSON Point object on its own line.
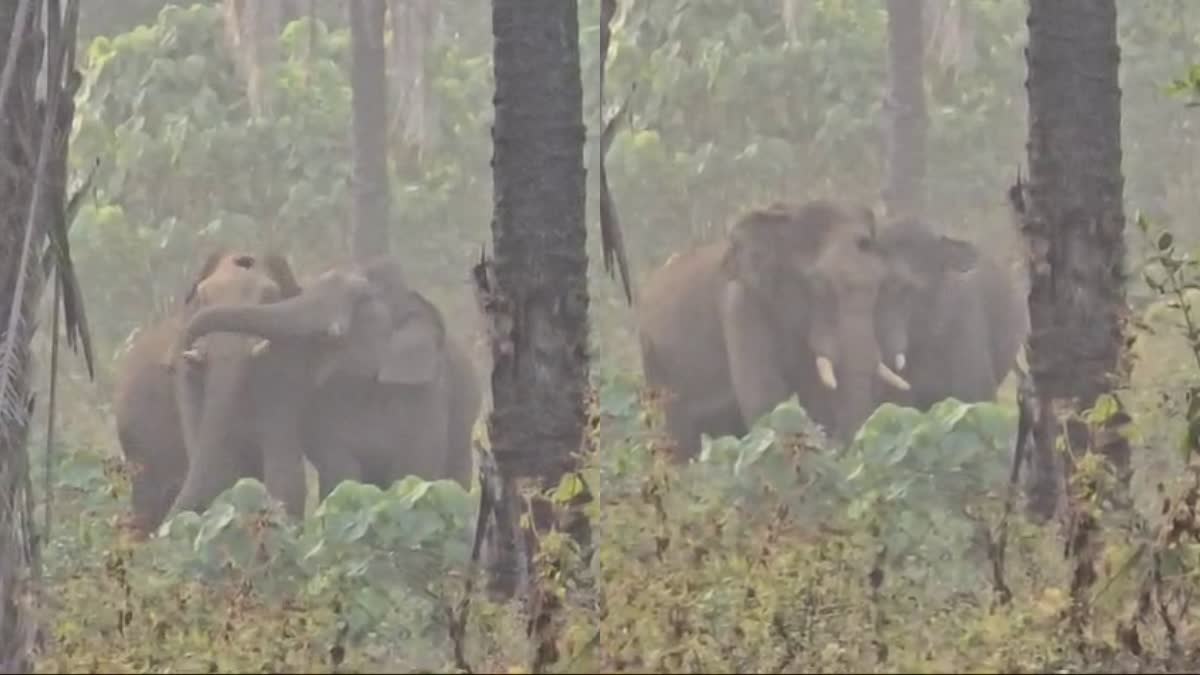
{"type": "Point", "coordinates": [206, 269]}
{"type": "Point", "coordinates": [414, 352]}
{"type": "Point", "coordinates": [280, 271]}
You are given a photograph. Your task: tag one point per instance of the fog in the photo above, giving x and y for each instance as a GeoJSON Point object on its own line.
{"type": "Point", "coordinates": [211, 127]}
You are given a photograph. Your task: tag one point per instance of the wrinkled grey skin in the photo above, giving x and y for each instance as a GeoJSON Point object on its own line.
{"type": "Point", "coordinates": [148, 420]}
{"type": "Point", "coordinates": [733, 328]}
{"type": "Point", "coordinates": [365, 372]}
{"type": "Point", "coordinates": [220, 392]}
{"type": "Point", "coordinates": [957, 316]}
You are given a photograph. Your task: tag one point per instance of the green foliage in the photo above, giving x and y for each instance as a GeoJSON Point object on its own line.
{"type": "Point", "coordinates": [370, 576]}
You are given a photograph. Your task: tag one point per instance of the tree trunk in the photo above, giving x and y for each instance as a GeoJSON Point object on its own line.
{"type": "Point", "coordinates": [904, 182]}
{"type": "Point", "coordinates": [368, 80]}
{"type": "Point", "coordinates": [535, 294]}
{"type": "Point", "coordinates": [33, 136]}
{"type": "Point", "coordinates": [252, 29]}
{"type": "Point", "coordinates": [413, 23]}
{"type": "Point", "coordinates": [1072, 217]}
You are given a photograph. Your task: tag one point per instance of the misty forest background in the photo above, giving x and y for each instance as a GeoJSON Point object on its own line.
{"type": "Point", "coordinates": [755, 559]}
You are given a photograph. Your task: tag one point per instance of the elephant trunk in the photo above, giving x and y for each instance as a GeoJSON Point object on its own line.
{"type": "Point", "coordinates": [852, 369]}
{"type": "Point", "coordinates": [292, 318]}
{"type": "Point", "coordinates": [206, 405]}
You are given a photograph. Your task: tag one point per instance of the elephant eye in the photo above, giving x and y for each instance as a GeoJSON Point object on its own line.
{"type": "Point", "coordinates": [244, 261]}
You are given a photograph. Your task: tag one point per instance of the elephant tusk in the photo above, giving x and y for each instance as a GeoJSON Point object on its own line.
{"type": "Point", "coordinates": [335, 330]}
{"type": "Point", "coordinates": [825, 371]}
{"type": "Point", "coordinates": [901, 361]}
{"type": "Point", "coordinates": [193, 356]}
{"type": "Point", "coordinates": [892, 378]}
{"type": "Point", "coordinates": [260, 347]}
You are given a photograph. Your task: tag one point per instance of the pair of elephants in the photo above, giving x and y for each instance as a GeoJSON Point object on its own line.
{"type": "Point", "coordinates": [813, 299]}
{"type": "Point", "coordinates": [253, 373]}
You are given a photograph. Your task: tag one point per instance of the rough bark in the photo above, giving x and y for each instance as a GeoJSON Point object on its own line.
{"type": "Point", "coordinates": [535, 292]}
{"type": "Point", "coordinates": [368, 80]}
{"type": "Point", "coordinates": [1072, 217]}
{"type": "Point", "coordinates": [904, 107]}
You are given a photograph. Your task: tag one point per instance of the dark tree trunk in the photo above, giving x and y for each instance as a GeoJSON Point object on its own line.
{"type": "Point", "coordinates": [33, 142]}
{"type": "Point", "coordinates": [536, 294]}
{"type": "Point", "coordinates": [904, 182]}
{"type": "Point", "coordinates": [1073, 220]}
{"type": "Point", "coordinates": [368, 80]}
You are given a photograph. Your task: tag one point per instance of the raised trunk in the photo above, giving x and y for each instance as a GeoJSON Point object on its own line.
{"type": "Point", "coordinates": [537, 301]}
{"type": "Point", "coordinates": [293, 318]}
{"type": "Point", "coordinates": [904, 185]}
{"type": "Point", "coordinates": [1073, 220]}
{"type": "Point", "coordinates": [368, 81]}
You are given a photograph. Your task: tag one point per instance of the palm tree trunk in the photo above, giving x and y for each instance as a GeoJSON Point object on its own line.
{"type": "Point", "coordinates": [1073, 220]}
{"type": "Point", "coordinates": [535, 293]}
{"type": "Point", "coordinates": [30, 181]}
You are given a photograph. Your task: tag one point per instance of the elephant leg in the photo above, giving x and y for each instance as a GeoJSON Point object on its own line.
{"type": "Point", "coordinates": [683, 429]}
{"type": "Point", "coordinates": [465, 402]}
{"type": "Point", "coordinates": [971, 372]}
{"type": "Point", "coordinates": [334, 465]}
{"type": "Point", "coordinates": [459, 456]}
{"type": "Point", "coordinates": [283, 462]}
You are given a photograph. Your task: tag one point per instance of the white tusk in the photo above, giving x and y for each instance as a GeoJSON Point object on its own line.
{"type": "Point", "coordinates": [335, 330]}
{"type": "Point", "coordinates": [193, 356]}
{"type": "Point", "coordinates": [260, 347]}
{"type": "Point", "coordinates": [825, 371]}
{"type": "Point", "coordinates": [901, 361]}
{"type": "Point", "coordinates": [892, 378]}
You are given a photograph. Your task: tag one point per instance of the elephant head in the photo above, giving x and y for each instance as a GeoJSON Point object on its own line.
{"type": "Point", "coordinates": [364, 323]}
{"type": "Point", "coordinates": [817, 271]}
{"type": "Point", "coordinates": [210, 379]}
{"type": "Point", "coordinates": [923, 265]}
{"type": "Point", "coordinates": [363, 364]}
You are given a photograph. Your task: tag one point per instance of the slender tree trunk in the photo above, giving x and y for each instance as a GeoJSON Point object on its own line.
{"type": "Point", "coordinates": [252, 29]}
{"type": "Point", "coordinates": [368, 79]}
{"type": "Point", "coordinates": [535, 294]}
{"type": "Point", "coordinates": [1073, 220]}
{"type": "Point", "coordinates": [904, 184]}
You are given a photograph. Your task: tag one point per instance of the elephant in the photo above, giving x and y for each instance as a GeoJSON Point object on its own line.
{"type": "Point", "coordinates": [228, 379]}
{"type": "Point", "coordinates": [785, 304]}
{"type": "Point", "coordinates": [362, 375]}
{"type": "Point", "coordinates": [149, 423]}
{"type": "Point", "coordinates": [951, 320]}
